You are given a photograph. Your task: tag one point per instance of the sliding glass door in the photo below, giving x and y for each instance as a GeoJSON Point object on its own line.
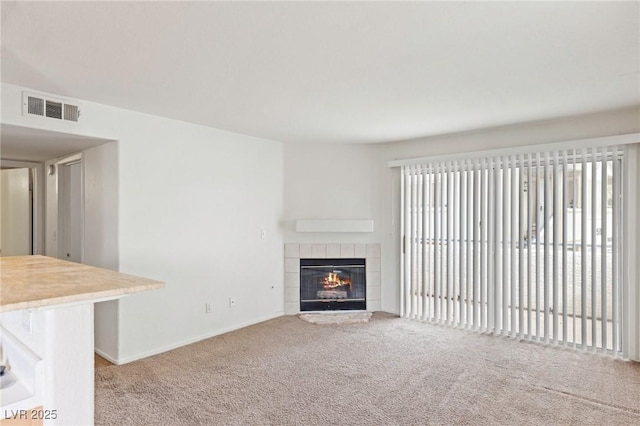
{"type": "Point", "coordinates": [524, 245]}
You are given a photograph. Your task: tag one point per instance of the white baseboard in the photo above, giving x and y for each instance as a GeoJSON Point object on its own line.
{"type": "Point", "coordinates": [105, 356]}
{"type": "Point", "coordinates": [121, 361]}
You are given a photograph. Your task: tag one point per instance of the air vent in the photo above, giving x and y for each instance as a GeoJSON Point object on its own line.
{"type": "Point", "coordinates": [44, 106]}
{"type": "Point", "coordinates": [54, 109]}
{"type": "Point", "coordinates": [35, 105]}
{"type": "Point", "coordinates": [71, 112]}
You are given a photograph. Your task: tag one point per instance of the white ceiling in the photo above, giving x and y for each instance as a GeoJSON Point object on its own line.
{"type": "Point", "coordinates": [28, 144]}
{"type": "Point", "coordinates": [331, 72]}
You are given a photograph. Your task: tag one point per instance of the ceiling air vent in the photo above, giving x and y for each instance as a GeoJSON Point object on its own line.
{"type": "Point", "coordinates": [43, 106]}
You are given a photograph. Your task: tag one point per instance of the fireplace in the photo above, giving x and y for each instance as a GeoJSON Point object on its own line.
{"type": "Point", "coordinates": [333, 284]}
{"type": "Point", "coordinates": [295, 252]}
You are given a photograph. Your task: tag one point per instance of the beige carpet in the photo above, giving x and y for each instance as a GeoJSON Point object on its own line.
{"type": "Point", "coordinates": [389, 371]}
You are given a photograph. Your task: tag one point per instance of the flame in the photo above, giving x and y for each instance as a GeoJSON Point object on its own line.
{"type": "Point", "coordinates": [333, 280]}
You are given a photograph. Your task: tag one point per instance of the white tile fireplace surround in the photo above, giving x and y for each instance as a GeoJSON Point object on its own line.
{"type": "Point", "coordinates": [294, 252]}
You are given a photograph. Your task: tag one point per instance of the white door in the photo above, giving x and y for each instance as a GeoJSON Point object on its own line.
{"type": "Point", "coordinates": [15, 212]}
{"type": "Point", "coordinates": [70, 211]}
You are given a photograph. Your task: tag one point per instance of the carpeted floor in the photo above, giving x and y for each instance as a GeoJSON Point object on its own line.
{"type": "Point", "coordinates": [390, 371]}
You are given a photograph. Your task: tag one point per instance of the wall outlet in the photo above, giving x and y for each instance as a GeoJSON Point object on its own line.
{"type": "Point", "coordinates": [207, 308]}
{"type": "Point", "coordinates": [263, 234]}
{"type": "Point", "coordinates": [232, 302]}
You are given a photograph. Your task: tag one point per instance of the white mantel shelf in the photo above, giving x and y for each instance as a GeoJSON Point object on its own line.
{"type": "Point", "coordinates": [334, 225]}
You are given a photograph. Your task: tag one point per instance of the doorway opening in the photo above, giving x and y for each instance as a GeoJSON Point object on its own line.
{"type": "Point", "coordinates": [21, 212]}
{"type": "Point", "coordinates": [70, 208]}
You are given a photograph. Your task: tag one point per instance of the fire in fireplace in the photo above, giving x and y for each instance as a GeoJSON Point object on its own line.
{"type": "Point", "coordinates": [332, 284]}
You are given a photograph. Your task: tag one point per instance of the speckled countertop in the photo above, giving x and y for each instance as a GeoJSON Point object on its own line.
{"type": "Point", "coordinates": [40, 281]}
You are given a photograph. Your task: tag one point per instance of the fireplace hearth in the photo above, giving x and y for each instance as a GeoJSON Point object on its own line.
{"type": "Point", "coordinates": [332, 284]}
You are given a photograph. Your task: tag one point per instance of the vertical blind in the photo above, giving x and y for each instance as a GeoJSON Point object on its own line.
{"type": "Point", "coordinates": [524, 245]}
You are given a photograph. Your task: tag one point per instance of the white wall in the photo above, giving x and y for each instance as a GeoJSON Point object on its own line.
{"type": "Point", "coordinates": [331, 181]}
{"type": "Point", "coordinates": [191, 204]}
{"type": "Point", "coordinates": [101, 234]}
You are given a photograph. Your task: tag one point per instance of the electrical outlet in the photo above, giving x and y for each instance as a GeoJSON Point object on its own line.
{"type": "Point", "coordinates": [207, 308]}
{"type": "Point", "coordinates": [263, 234]}
{"type": "Point", "coordinates": [232, 302]}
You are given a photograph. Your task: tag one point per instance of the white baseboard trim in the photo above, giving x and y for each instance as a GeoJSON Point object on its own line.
{"type": "Point", "coordinates": [167, 348]}
{"type": "Point", "coordinates": [105, 356]}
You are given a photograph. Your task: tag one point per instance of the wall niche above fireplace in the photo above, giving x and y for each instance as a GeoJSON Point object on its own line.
{"type": "Point", "coordinates": [333, 284]}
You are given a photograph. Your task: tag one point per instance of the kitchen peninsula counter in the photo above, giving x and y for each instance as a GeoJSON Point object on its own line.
{"type": "Point", "coordinates": [40, 281]}
{"type": "Point", "coordinates": [47, 318]}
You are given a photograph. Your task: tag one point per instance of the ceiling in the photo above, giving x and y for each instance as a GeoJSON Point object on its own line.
{"type": "Point", "coordinates": [347, 72]}
{"type": "Point", "coordinates": [28, 144]}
